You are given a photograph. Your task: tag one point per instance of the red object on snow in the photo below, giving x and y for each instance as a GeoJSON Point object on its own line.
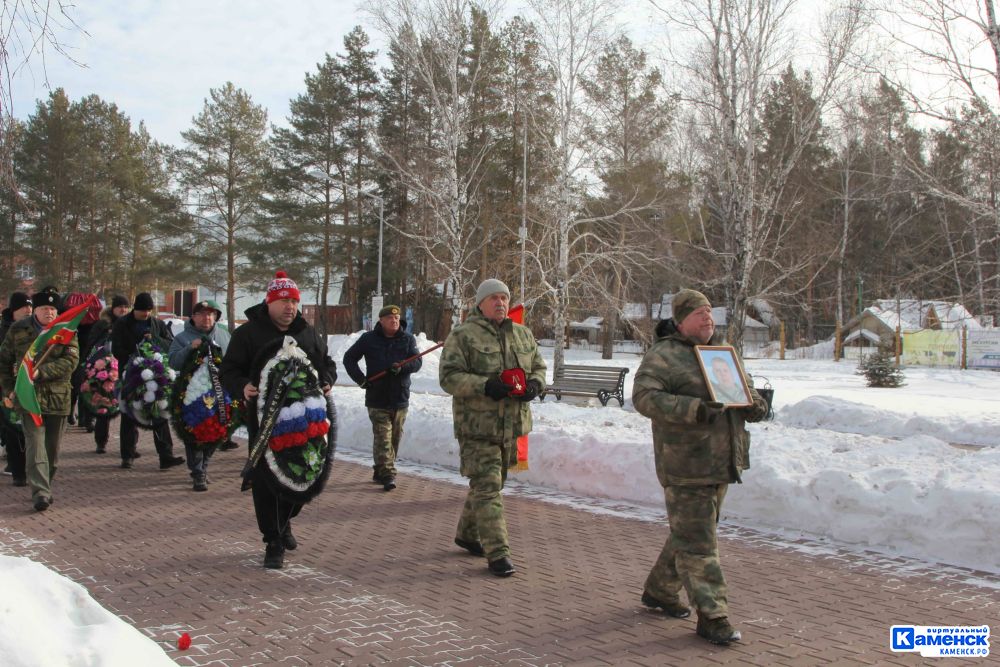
{"type": "Point", "coordinates": [184, 642]}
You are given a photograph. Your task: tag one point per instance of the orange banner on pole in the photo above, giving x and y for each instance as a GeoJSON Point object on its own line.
{"type": "Point", "coordinates": [517, 315]}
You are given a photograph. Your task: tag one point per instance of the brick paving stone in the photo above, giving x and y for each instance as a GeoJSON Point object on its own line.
{"type": "Point", "coordinates": [377, 580]}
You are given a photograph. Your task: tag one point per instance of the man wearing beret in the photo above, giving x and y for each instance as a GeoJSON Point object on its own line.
{"type": "Point", "coordinates": [700, 447]}
{"type": "Point", "coordinates": [52, 389]}
{"type": "Point", "coordinates": [200, 329]}
{"type": "Point", "coordinates": [18, 308]}
{"type": "Point", "coordinates": [489, 414]}
{"type": "Point", "coordinates": [387, 398]}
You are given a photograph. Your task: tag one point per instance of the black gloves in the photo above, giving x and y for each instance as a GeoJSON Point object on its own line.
{"type": "Point", "coordinates": [531, 392]}
{"type": "Point", "coordinates": [496, 389]}
{"type": "Point", "coordinates": [364, 384]}
{"type": "Point", "coordinates": [756, 412]}
{"type": "Point", "coordinates": [709, 411]}
{"type": "Point", "coordinates": [395, 369]}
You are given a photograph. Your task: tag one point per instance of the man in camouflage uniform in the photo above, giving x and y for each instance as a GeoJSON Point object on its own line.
{"type": "Point", "coordinates": [52, 389]}
{"type": "Point", "coordinates": [487, 418]}
{"type": "Point", "coordinates": [700, 447]}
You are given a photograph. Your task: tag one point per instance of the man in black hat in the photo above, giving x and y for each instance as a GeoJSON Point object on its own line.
{"type": "Point", "coordinates": [99, 336]}
{"type": "Point", "coordinates": [51, 378]}
{"type": "Point", "coordinates": [387, 398]}
{"type": "Point", "coordinates": [126, 334]}
{"type": "Point", "coordinates": [11, 435]}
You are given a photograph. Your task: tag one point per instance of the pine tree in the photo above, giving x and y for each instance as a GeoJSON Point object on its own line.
{"type": "Point", "coordinates": [224, 167]}
{"type": "Point", "coordinates": [358, 169]}
{"type": "Point", "coordinates": [879, 368]}
{"type": "Point", "coordinates": [307, 207]}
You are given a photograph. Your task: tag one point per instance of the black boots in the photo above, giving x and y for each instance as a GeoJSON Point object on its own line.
{"type": "Point", "coordinates": [502, 567]}
{"type": "Point", "coordinates": [200, 483]}
{"type": "Point", "coordinates": [389, 483]}
{"type": "Point", "coordinates": [474, 548]}
{"type": "Point", "coordinates": [717, 630]}
{"type": "Point", "coordinates": [673, 608]}
{"type": "Point", "coordinates": [170, 462]}
{"type": "Point", "coordinates": [274, 555]}
{"type": "Point", "coordinates": [288, 540]}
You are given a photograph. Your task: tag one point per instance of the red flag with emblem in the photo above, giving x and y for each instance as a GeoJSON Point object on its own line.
{"type": "Point", "coordinates": [59, 332]}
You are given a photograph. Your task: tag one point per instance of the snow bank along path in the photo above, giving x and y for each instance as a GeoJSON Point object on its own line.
{"type": "Point", "coordinates": [912, 471]}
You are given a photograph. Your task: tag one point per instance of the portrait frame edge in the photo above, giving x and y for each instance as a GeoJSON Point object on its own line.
{"type": "Point", "coordinates": [731, 352]}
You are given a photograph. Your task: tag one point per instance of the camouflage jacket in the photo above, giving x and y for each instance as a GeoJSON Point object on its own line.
{"type": "Point", "coordinates": [669, 386]}
{"type": "Point", "coordinates": [52, 383]}
{"type": "Point", "coordinates": [475, 351]}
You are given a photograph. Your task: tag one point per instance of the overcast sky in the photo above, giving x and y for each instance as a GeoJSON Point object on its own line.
{"type": "Point", "coordinates": [157, 59]}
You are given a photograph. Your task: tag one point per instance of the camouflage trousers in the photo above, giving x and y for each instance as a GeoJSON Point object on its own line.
{"type": "Point", "coordinates": [690, 557]}
{"type": "Point", "coordinates": [485, 464]}
{"type": "Point", "coordinates": [387, 427]}
{"type": "Point", "coordinates": [42, 452]}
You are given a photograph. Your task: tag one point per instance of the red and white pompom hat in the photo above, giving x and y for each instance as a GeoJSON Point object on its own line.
{"type": "Point", "coordinates": [282, 287]}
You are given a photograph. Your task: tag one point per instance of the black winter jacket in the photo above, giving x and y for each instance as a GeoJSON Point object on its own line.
{"type": "Point", "coordinates": [390, 392]}
{"type": "Point", "coordinates": [241, 357]}
{"type": "Point", "coordinates": [125, 339]}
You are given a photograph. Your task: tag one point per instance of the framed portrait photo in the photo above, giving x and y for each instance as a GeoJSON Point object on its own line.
{"type": "Point", "coordinates": [724, 375]}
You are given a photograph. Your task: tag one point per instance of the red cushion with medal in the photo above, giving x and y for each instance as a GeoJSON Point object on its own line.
{"type": "Point", "coordinates": [515, 378]}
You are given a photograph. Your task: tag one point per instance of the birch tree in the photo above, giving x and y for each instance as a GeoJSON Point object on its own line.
{"type": "Point", "coordinates": [437, 39]}
{"type": "Point", "coordinates": [734, 50]}
{"type": "Point", "coordinates": [950, 72]}
{"type": "Point", "coordinates": [572, 35]}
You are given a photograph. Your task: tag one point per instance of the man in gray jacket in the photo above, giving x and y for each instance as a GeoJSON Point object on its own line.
{"type": "Point", "coordinates": [200, 329]}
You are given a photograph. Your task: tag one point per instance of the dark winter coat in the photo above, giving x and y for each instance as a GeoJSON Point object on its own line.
{"type": "Point", "coordinates": [669, 387]}
{"type": "Point", "coordinates": [100, 333]}
{"type": "Point", "coordinates": [390, 392]}
{"type": "Point", "coordinates": [52, 379]}
{"type": "Point", "coordinates": [126, 336]}
{"type": "Point", "coordinates": [237, 366]}
{"type": "Point", "coordinates": [6, 321]}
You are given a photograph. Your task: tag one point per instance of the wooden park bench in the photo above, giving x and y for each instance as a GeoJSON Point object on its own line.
{"type": "Point", "coordinates": [604, 382]}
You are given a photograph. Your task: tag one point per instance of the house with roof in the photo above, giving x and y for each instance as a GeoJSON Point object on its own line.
{"type": "Point", "coordinates": [640, 317]}
{"type": "Point", "coordinates": [878, 322]}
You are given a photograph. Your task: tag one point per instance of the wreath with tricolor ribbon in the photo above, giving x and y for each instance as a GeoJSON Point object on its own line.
{"type": "Point", "coordinates": [202, 413]}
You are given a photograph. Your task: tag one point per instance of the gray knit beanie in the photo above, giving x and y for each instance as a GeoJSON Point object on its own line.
{"type": "Point", "coordinates": [488, 287]}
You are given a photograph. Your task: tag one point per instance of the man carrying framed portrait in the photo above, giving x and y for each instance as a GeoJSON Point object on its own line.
{"type": "Point", "coordinates": [699, 408]}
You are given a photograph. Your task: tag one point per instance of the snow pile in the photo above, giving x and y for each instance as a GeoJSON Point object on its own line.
{"type": "Point", "coordinates": [46, 619]}
{"type": "Point", "coordinates": [912, 471]}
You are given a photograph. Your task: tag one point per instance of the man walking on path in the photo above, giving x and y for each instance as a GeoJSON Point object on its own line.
{"type": "Point", "coordinates": [126, 334]}
{"type": "Point", "coordinates": [388, 397]}
{"type": "Point", "coordinates": [699, 447]}
{"type": "Point", "coordinates": [100, 335]}
{"type": "Point", "coordinates": [18, 308]}
{"type": "Point", "coordinates": [52, 387]}
{"type": "Point", "coordinates": [274, 319]}
{"type": "Point", "coordinates": [489, 414]}
{"type": "Point", "coordinates": [200, 329]}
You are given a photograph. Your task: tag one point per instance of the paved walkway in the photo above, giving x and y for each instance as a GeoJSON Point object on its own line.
{"type": "Point", "coordinates": [376, 579]}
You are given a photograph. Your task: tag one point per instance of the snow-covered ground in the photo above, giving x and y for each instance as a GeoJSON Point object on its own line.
{"type": "Point", "coordinates": [46, 619]}
{"type": "Point", "coordinates": [913, 471]}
